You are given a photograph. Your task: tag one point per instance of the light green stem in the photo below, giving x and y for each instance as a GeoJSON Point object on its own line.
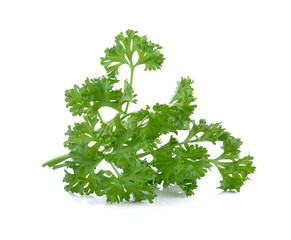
{"type": "Point", "coordinates": [115, 169]}
{"type": "Point", "coordinates": [101, 120]}
{"type": "Point", "coordinates": [57, 160]}
{"type": "Point", "coordinates": [131, 80]}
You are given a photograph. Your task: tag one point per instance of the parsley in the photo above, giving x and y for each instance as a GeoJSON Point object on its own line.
{"type": "Point", "coordinates": [126, 141]}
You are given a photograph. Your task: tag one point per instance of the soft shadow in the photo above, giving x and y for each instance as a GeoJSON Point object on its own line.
{"type": "Point", "coordinates": [165, 196]}
{"type": "Point", "coordinates": [101, 201]}
{"type": "Point", "coordinates": [171, 192]}
{"type": "Point", "coordinates": [225, 193]}
{"type": "Point", "coordinates": [172, 195]}
{"type": "Point", "coordinates": [87, 199]}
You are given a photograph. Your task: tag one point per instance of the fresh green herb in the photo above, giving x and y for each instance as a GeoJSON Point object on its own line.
{"type": "Point", "coordinates": [126, 141]}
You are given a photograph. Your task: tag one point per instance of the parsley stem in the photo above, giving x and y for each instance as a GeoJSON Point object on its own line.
{"type": "Point", "coordinates": [131, 80]}
{"type": "Point", "coordinates": [163, 147]}
{"type": "Point", "coordinates": [131, 75]}
{"type": "Point", "coordinates": [115, 169]}
{"type": "Point", "coordinates": [59, 166]}
{"type": "Point", "coordinates": [56, 160]}
{"type": "Point", "coordinates": [101, 120]}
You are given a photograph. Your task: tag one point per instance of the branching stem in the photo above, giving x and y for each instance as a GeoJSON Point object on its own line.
{"type": "Point", "coordinates": [115, 169]}
{"type": "Point", "coordinates": [131, 80]}
{"type": "Point", "coordinates": [101, 120]}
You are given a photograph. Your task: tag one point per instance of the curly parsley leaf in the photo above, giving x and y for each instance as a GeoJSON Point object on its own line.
{"type": "Point", "coordinates": [122, 53]}
{"type": "Point", "coordinates": [82, 132]}
{"type": "Point", "coordinates": [235, 173]}
{"type": "Point", "coordinates": [234, 169]}
{"type": "Point", "coordinates": [97, 93]}
{"type": "Point", "coordinates": [182, 165]}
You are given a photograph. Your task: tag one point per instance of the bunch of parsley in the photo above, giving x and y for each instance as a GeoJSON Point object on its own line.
{"type": "Point", "coordinates": [126, 141]}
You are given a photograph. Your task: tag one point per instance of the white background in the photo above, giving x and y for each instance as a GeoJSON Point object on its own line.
{"type": "Point", "coordinates": [238, 53]}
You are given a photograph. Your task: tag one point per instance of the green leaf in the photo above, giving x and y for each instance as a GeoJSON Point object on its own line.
{"type": "Point", "coordinates": [235, 173]}
{"type": "Point", "coordinates": [97, 93]}
{"type": "Point", "coordinates": [184, 94]}
{"type": "Point", "coordinates": [233, 168]}
{"type": "Point", "coordinates": [114, 190]}
{"type": "Point", "coordinates": [139, 182]}
{"type": "Point", "coordinates": [94, 94]}
{"type": "Point", "coordinates": [82, 132]}
{"type": "Point", "coordinates": [135, 182]}
{"type": "Point", "coordinates": [210, 133]}
{"type": "Point", "coordinates": [75, 101]}
{"type": "Point", "coordinates": [84, 180]}
{"type": "Point", "coordinates": [122, 53]}
{"type": "Point", "coordinates": [127, 95]}
{"type": "Point", "coordinates": [166, 118]}
{"type": "Point", "coordinates": [182, 165]}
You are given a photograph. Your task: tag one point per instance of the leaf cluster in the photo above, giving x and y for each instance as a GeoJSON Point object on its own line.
{"type": "Point", "coordinates": [130, 143]}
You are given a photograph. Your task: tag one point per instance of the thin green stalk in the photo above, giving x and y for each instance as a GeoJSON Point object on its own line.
{"type": "Point", "coordinates": [56, 160]}
{"type": "Point", "coordinates": [59, 166]}
{"type": "Point", "coordinates": [131, 75]}
{"type": "Point", "coordinates": [124, 116]}
{"type": "Point", "coordinates": [115, 169]}
{"type": "Point", "coordinates": [101, 120]}
{"type": "Point", "coordinates": [165, 146]}
{"type": "Point", "coordinates": [131, 80]}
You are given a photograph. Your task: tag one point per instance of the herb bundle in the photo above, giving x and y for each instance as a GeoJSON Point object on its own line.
{"type": "Point", "coordinates": [127, 140]}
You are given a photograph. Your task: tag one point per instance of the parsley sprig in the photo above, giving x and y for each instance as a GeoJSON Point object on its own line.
{"type": "Point", "coordinates": [127, 140]}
